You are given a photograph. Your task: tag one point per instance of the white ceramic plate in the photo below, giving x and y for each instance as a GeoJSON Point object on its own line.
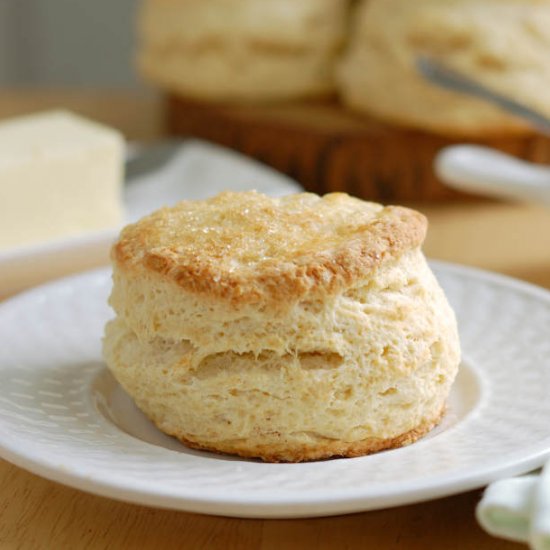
{"type": "Point", "coordinates": [216, 168]}
{"type": "Point", "coordinates": [62, 415]}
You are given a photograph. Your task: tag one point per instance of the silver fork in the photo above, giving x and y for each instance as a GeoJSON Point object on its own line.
{"type": "Point", "coordinates": [436, 72]}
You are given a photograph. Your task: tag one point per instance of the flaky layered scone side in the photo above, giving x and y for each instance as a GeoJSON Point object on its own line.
{"type": "Point", "coordinates": [287, 329]}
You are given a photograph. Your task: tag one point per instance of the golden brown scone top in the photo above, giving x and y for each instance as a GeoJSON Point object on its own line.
{"type": "Point", "coordinates": [247, 247]}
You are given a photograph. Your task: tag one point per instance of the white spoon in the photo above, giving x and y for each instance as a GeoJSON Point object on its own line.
{"type": "Point", "coordinates": [482, 170]}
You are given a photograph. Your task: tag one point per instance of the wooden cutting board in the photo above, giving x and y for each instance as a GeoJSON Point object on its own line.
{"type": "Point", "coordinates": [328, 148]}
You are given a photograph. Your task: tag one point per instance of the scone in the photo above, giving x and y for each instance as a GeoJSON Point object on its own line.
{"type": "Point", "coordinates": [289, 329]}
{"type": "Point", "coordinates": [502, 43]}
{"type": "Point", "coordinates": [241, 49]}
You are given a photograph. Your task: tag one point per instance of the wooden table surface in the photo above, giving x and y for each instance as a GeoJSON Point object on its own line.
{"type": "Point", "coordinates": [36, 513]}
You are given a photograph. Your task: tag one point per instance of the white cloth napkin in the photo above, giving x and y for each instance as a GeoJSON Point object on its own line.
{"type": "Point", "coordinates": [199, 170]}
{"type": "Point", "coordinates": [518, 509]}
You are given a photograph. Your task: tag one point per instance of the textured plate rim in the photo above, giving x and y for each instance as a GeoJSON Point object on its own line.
{"type": "Point", "coordinates": [313, 503]}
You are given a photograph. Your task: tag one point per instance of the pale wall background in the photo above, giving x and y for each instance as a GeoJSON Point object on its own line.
{"type": "Point", "coordinates": [76, 43]}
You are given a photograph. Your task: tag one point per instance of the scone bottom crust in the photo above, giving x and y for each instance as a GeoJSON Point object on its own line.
{"type": "Point", "coordinates": [249, 248]}
{"type": "Point", "coordinates": [327, 450]}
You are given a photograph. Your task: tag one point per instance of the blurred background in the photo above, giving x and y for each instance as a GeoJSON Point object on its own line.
{"type": "Point", "coordinates": [68, 43]}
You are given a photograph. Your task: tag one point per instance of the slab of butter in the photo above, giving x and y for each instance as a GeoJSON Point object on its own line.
{"type": "Point", "coordinates": [61, 176]}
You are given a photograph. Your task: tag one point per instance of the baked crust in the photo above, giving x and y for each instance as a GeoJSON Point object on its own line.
{"type": "Point", "coordinates": [494, 129]}
{"type": "Point", "coordinates": [249, 248]}
{"type": "Point", "coordinates": [329, 448]}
